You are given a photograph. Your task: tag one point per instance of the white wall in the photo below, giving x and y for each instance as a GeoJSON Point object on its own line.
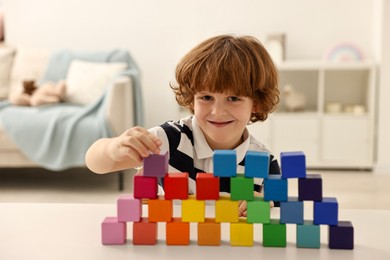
{"type": "Point", "coordinates": [158, 33]}
{"type": "Point", "coordinates": [383, 160]}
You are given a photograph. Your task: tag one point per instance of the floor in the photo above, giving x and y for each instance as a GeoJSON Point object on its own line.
{"type": "Point", "coordinates": [353, 189]}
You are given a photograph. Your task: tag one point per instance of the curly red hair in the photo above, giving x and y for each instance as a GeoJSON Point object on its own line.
{"type": "Point", "coordinates": [227, 63]}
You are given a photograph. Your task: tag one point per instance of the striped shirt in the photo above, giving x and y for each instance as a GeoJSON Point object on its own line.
{"type": "Point", "coordinates": [189, 152]}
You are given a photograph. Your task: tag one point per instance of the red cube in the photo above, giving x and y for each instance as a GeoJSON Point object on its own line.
{"type": "Point", "coordinates": [207, 186]}
{"type": "Point", "coordinates": [176, 186]}
{"type": "Point", "coordinates": [145, 187]}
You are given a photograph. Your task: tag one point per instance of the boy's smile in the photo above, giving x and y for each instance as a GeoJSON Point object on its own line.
{"type": "Point", "coordinates": [222, 118]}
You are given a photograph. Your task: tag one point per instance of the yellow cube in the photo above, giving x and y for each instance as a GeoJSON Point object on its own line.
{"type": "Point", "coordinates": [226, 210]}
{"type": "Point", "coordinates": [241, 233]}
{"type": "Point", "coordinates": [192, 210]}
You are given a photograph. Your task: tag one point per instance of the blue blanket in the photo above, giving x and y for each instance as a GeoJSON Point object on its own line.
{"type": "Point", "coordinates": [57, 136]}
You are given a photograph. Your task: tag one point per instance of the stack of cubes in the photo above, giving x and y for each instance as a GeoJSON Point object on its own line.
{"type": "Point", "coordinates": [160, 208]}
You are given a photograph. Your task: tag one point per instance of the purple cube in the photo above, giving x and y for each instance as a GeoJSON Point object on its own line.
{"type": "Point", "coordinates": [156, 165]}
{"type": "Point", "coordinates": [310, 188]}
{"type": "Point", "coordinates": [341, 235]}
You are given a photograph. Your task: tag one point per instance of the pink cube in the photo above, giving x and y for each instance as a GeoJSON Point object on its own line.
{"type": "Point", "coordinates": [145, 187]}
{"type": "Point", "coordinates": [129, 209]}
{"type": "Point", "coordinates": [113, 231]}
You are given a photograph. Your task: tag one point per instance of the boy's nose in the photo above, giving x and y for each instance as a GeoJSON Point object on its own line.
{"type": "Point", "coordinates": [218, 109]}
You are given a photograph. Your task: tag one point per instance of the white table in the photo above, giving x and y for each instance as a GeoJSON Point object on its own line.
{"type": "Point", "coordinates": [72, 231]}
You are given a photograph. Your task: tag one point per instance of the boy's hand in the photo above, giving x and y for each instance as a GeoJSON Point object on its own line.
{"type": "Point", "coordinates": [242, 205]}
{"type": "Point", "coordinates": [134, 144]}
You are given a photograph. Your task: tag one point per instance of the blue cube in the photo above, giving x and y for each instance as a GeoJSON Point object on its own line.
{"type": "Point", "coordinates": [293, 164]}
{"type": "Point", "coordinates": [291, 211]}
{"type": "Point", "coordinates": [225, 163]}
{"type": "Point", "coordinates": [308, 235]}
{"type": "Point", "coordinates": [256, 164]}
{"type": "Point", "coordinates": [326, 211]}
{"type": "Point", "coordinates": [275, 188]}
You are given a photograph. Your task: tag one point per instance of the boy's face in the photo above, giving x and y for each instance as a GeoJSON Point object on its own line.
{"type": "Point", "coordinates": [222, 117]}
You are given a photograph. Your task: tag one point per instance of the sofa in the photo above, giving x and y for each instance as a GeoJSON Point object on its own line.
{"type": "Point", "coordinates": [120, 107]}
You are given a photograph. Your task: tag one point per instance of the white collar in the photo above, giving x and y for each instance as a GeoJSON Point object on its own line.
{"type": "Point", "coordinates": [203, 150]}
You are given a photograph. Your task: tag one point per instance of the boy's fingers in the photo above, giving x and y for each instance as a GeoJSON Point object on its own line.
{"type": "Point", "coordinates": [241, 208]}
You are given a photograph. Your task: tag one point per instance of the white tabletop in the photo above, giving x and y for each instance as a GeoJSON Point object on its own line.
{"type": "Point", "coordinates": [72, 231]}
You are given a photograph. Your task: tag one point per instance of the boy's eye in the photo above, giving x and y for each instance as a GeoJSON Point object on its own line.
{"type": "Point", "coordinates": [233, 99]}
{"type": "Point", "coordinates": [206, 97]}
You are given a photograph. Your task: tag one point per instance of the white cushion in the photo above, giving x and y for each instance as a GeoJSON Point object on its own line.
{"type": "Point", "coordinates": [86, 81]}
{"type": "Point", "coordinates": [6, 58]}
{"type": "Point", "coordinates": [29, 64]}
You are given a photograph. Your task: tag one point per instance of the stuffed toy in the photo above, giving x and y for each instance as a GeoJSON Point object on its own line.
{"type": "Point", "coordinates": [48, 93]}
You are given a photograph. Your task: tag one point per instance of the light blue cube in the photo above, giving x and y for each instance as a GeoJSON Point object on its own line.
{"type": "Point", "coordinates": [308, 235]}
{"type": "Point", "coordinates": [291, 211]}
{"type": "Point", "coordinates": [256, 164]}
{"type": "Point", "coordinates": [225, 163]}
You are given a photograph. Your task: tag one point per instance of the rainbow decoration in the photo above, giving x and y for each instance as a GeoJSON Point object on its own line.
{"type": "Point", "coordinates": [344, 52]}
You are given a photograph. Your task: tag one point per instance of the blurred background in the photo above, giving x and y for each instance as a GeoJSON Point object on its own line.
{"type": "Point", "coordinates": [332, 56]}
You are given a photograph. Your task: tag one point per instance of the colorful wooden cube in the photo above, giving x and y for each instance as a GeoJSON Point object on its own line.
{"type": "Point", "coordinates": [275, 188]}
{"type": "Point", "coordinates": [226, 210]}
{"type": "Point", "coordinates": [160, 210]}
{"type": "Point", "coordinates": [144, 232]}
{"type": "Point", "coordinates": [129, 209]}
{"type": "Point", "coordinates": [293, 164]}
{"type": "Point", "coordinates": [341, 236]}
{"type": "Point", "coordinates": [310, 188]}
{"type": "Point", "coordinates": [241, 233]}
{"type": "Point", "coordinates": [156, 165]}
{"type": "Point", "coordinates": [274, 234]}
{"type": "Point", "coordinates": [308, 235]}
{"type": "Point", "coordinates": [193, 210]}
{"type": "Point", "coordinates": [209, 233]}
{"type": "Point", "coordinates": [113, 231]}
{"type": "Point", "coordinates": [225, 163]}
{"type": "Point", "coordinates": [176, 186]}
{"type": "Point", "coordinates": [207, 186]}
{"type": "Point", "coordinates": [257, 164]}
{"type": "Point", "coordinates": [177, 232]}
{"type": "Point", "coordinates": [145, 187]}
{"type": "Point", "coordinates": [241, 188]}
{"type": "Point", "coordinates": [258, 211]}
{"type": "Point", "coordinates": [291, 211]}
{"type": "Point", "coordinates": [326, 211]}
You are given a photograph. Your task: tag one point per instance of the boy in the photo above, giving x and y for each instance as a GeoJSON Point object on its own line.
{"type": "Point", "coordinates": [226, 82]}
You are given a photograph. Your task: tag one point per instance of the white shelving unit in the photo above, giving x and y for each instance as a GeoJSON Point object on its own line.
{"type": "Point", "coordinates": [335, 128]}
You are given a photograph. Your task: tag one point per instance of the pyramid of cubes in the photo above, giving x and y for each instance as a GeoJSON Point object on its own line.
{"type": "Point", "coordinates": [160, 207]}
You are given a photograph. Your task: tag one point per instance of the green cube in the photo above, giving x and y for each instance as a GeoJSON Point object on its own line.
{"type": "Point", "coordinates": [258, 211]}
{"type": "Point", "coordinates": [241, 188]}
{"type": "Point", "coordinates": [308, 235]}
{"type": "Point", "coordinates": [274, 234]}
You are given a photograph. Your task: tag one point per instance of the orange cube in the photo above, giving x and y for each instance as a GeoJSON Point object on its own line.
{"type": "Point", "coordinates": [160, 210]}
{"type": "Point", "coordinates": [209, 233]}
{"type": "Point", "coordinates": [144, 232]}
{"type": "Point", "coordinates": [177, 232]}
